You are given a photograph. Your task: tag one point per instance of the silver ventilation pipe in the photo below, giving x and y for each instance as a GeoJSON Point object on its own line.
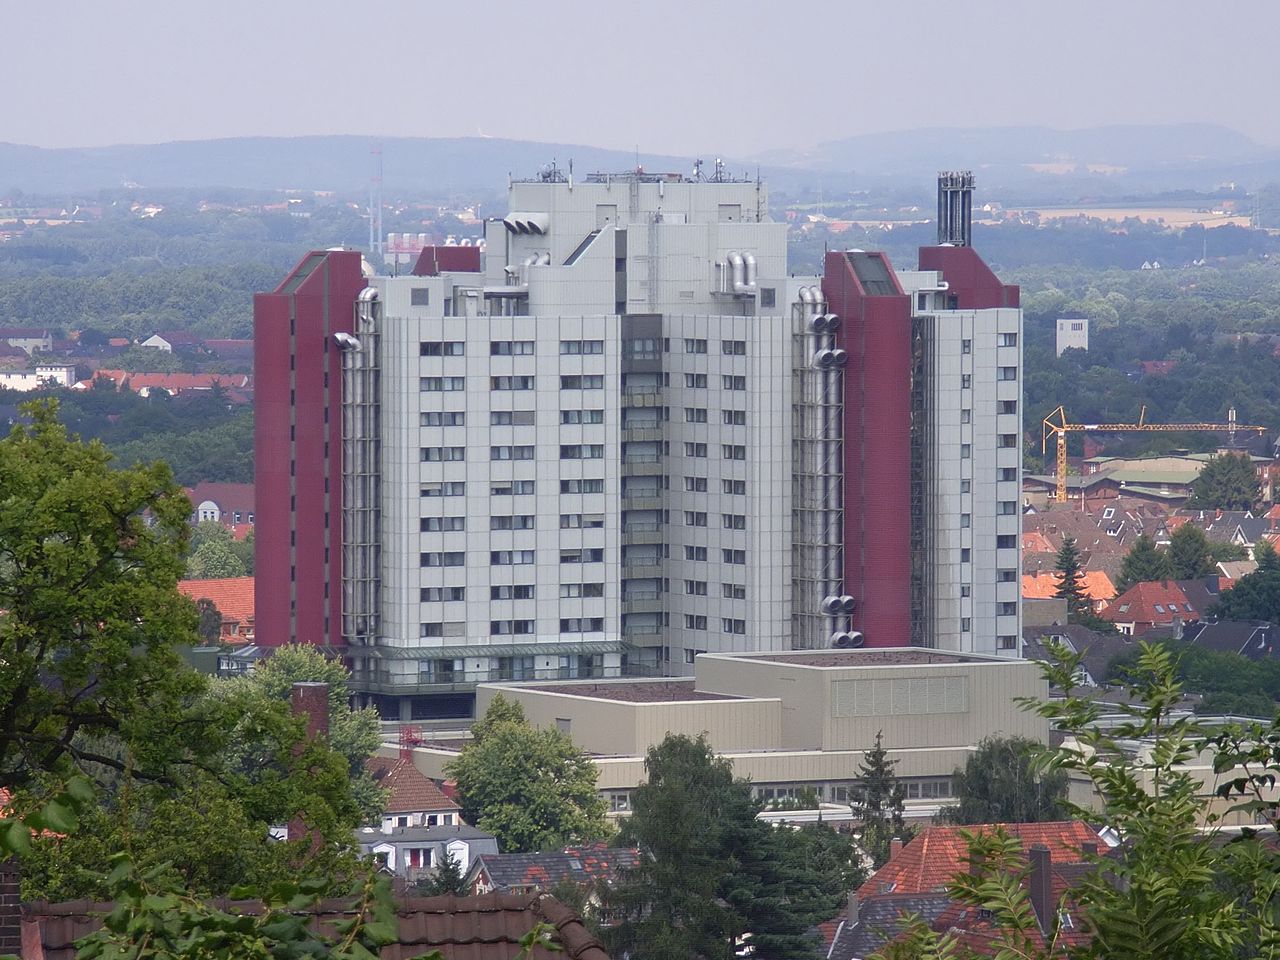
{"type": "Point", "coordinates": [361, 503]}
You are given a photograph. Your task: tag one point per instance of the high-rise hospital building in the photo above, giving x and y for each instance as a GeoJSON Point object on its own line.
{"type": "Point", "coordinates": [620, 433]}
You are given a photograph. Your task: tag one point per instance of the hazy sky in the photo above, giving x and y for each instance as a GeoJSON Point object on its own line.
{"type": "Point", "coordinates": [677, 76]}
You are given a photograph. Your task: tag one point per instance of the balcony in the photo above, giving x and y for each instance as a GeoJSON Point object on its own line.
{"type": "Point", "coordinates": [642, 630]}
{"type": "Point", "coordinates": [641, 397]}
{"type": "Point", "coordinates": [646, 498]}
{"type": "Point", "coordinates": [645, 431]}
{"type": "Point", "coordinates": [643, 567]}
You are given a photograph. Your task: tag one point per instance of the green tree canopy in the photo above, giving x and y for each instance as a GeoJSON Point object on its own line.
{"type": "Point", "coordinates": [1000, 784]}
{"type": "Point", "coordinates": [532, 789]}
{"type": "Point", "coordinates": [210, 624]}
{"type": "Point", "coordinates": [1142, 564]}
{"type": "Point", "coordinates": [214, 559]}
{"type": "Point", "coordinates": [1227, 482]}
{"type": "Point", "coordinates": [1189, 553]}
{"type": "Point", "coordinates": [879, 803]}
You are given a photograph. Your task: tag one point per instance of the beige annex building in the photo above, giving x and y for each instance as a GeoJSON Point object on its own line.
{"type": "Point", "coordinates": [790, 721]}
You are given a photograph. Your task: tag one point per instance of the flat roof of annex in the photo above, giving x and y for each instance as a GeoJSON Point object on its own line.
{"type": "Point", "coordinates": [629, 690]}
{"type": "Point", "coordinates": [876, 657]}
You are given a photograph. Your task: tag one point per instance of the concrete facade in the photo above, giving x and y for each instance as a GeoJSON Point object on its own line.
{"type": "Point", "coordinates": [1072, 334]}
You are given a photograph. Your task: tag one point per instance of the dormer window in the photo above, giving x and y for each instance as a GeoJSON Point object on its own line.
{"type": "Point", "coordinates": [1159, 608]}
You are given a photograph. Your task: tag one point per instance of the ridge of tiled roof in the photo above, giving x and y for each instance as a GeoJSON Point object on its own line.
{"type": "Point", "coordinates": [409, 790]}
{"type": "Point", "coordinates": [575, 863]}
{"type": "Point", "coordinates": [233, 596]}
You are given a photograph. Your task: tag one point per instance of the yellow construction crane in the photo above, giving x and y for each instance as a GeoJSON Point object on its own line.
{"type": "Point", "coordinates": [1056, 423]}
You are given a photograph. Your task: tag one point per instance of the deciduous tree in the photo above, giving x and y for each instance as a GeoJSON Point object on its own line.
{"type": "Point", "coordinates": [1000, 783]}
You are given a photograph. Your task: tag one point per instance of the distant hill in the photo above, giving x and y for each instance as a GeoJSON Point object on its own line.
{"type": "Point", "coordinates": [1031, 160]}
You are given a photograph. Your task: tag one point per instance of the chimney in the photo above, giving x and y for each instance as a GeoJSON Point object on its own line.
{"type": "Point", "coordinates": [1042, 887]}
{"type": "Point", "coordinates": [310, 701]}
{"type": "Point", "coordinates": [895, 847]}
{"type": "Point", "coordinates": [851, 914]}
{"type": "Point", "coordinates": [1089, 849]}
{"type": "Point", "coordinates": [10, 908]}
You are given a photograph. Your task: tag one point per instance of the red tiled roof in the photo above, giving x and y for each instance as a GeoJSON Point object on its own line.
{"type": "Point", "coordinates": [577, 864]}
{"type": "Point", "coordinates": [1042, 586]}
{"type": "Point", "coordinates": [1138, 604]}
{"type": "Point", "coordinates": [172, 382]}
{"type": "Point", "coordinates": [409, 790]}
{"type": "Point", "coordinates": [233, 596]}
{"type": "Point", "coordinates": [929, 861]}
{"type": "Point", "coordinates": [487, 927]}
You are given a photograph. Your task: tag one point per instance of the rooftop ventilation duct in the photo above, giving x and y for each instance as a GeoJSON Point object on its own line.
{"type": "Point", "coordinates": [526, 223]}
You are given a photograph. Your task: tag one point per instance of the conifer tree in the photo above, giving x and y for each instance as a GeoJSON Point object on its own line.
{"type": "Point", "coordinates": [1143, 563]}
{"type": "Point", "coordinates": [879, 803]}
{"type": "Point", "coordinates": [1071, 580]}
{"type": "Point", "coordinates": [1189, 553]}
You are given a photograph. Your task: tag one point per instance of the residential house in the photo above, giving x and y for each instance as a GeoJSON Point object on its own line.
{"type": "Point", "coordinates": [413, 798]}
{"type": "Point", "coordinates": [233, 596]}
{"type": "Point", "coordinates": [415, 853]}
{"type": "Point", "coordinates": [1255, 639]}
{"type": "Point", "coordinates": [39, 377]}
{"type": "Point", "coordinates": [528, 872]}
{"type": "Point", "coordinates": [1096, 584]}
{"type": "Point", "coordinates": [230, 504]}
{"type": "Point", "coordinates": [173, 341]}
{"type": "Point", "coordinates": [1096, 649]}
{"type": "Point", "coordinates": [232, 351]}
{"type": "Point", "coordinates": [237, 387]}
{"type": "Point", "coordinates": [915, 879]}
{"type": "Point", "coordinates": [1161, 604]}
{"type": "Point", "coordinates": [27, 339]}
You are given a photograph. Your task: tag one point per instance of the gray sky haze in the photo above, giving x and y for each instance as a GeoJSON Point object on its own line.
{"type": "Point", "coordinates": [666, 75]}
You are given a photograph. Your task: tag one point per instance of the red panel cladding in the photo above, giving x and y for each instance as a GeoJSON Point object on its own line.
{"type": "Point", "coordinates": [434, 261]}
{"type": "Point", "coordinates": [298, 575]}
{"type": "Point", "coordinates": [271, 467]}
{"type": "Point", "coordinates": [876, 331]}
{"type": "Point", "coordinates": [973, 284]}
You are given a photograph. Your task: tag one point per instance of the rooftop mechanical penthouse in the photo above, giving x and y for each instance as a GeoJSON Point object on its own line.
{"type": "Point", "coordinates": [619, 433]}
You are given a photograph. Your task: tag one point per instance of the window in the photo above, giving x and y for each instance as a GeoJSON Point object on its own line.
{"type": "Point", "coordinates": [733, 521]}
{"type": "Point", "coordinates": [695, 484]}
{"type": "Point", "coordinates": [692, 622]}
{"type": "Point", "coordinates": [733, 348]}
{"type": "Point", "coordinates": [1158, 608]}
{"type": "Point", "coordinates": [510, 488]}
{"type": "Point", "coordinates": [431, 629]}
{"type": "Point", "coordinates": [581, 451]}
{"type": "Point", "coordinates": [582, 589]}
{"type": "Point", "coordinates": [573, 348]}
{"type": "Point", "coordinates": [966, 381]}
{"type": "Point", "coordinates": [442, 418]}
{"type": "Point", "coordinates": [966, 624]}
{"type": "Point", "coordinates": [511, 418]}
{"type": "Point", "coordinates": [511, 383]}
{"type": "Point", "coordinates": [966, 415]}
{"type": "Point", "coordinates": [695, 588]}
{"type": "Point", "coordinates": [1008, 340]}
{"type": "Point", "coordinates": [966, 346]}
{"type": "Point", "coordinates": [733, 451]}
{"type": "Point", "coordinates": [1007, 508]}
{"type": "Point", "coordinates": [504, 628]}
{"type": "Point", "coordinates": [454, 558]}
{"type": "Point", "coordinates": [442, 454]}
{"type": "Point", "coordinates": [1006, 541]}
{"type": "Point", "coordinates": [442, 384]}
{"type": "Point", "coordinates": [585, 381]}
{"type": "Point", "coordinates": [1007, 608]}
{"type": "Point", "coordinates": [695, 346]}
{"type": "Point", "coordinates": [1008, 473]}
{"type": "Point", "coordinates": [442, 348]}
{"type": "Point", "coordinates": [519, 521]}
{"type": "Point", "coordinates": [1008, 440]}
{"type": "Point", "coordinates": [586, 521]}
{"type": "Point", "coordinates": [695, 553]}
{"type": "Point", "coordinates": [695, 449]}
{"type": "Point", "coordinates": [965, 521]}
{"type": "Point", "coordinates": [511, 453]}
{"type": "Point", "coordinates": [582, 625]}
{"type": "Point", "coordinates": [511, 348]}
{"type": "Point", "coordinates": [1007, 576]}
{"type": "Point", "coordinates": [436, 594]}
{"type": "Point", "coordinates": [966, 486]}
{"type": "Point", "coordinates": [582, 416]}
{"type": "Point", "coordinates": [1008, 406]}
{"type": "Point", "coordinates": [582, 486]}
{"type": "Point", "coordinates": [695, 518]}
{"type": "Point", "coordinates": [510, 558]}
{"type": "Point", "coordinates": [585, 555]}
{"type": "Point", "coordinates": [733, 486]}
{"type": "Point", "coordinates": [730, 625]}
{"type": "Point", "coordinates": [419, 296]}
{"type": "Point", "coordinates": [1006, 373]}
{"type": "Point", "coordinates": [734, 418]}
{"type": "Point", "coordinates": [966, 590]}
{"type": "Point", "coordinates": [768, 297]}
{"type": "Point", "coordinates": [455, 489]}
{"type": "Point", "coordinates": [512, 591]}
{"type": "Point", "coordinates": [435, 524]}
{"type": "Point", "coordinates": [733, 556]}
{"type": "Point", "coordinates": [733, 382]}
{"type": "Point", "coordinates": [733, 591]}
{"type": "Point", "coordinates": [695, 414]}
{"type": "Point", "coordinates": [695, 380]}
{"type": "Point", "coordinates": [965, 554]}
{"type": "Point", "coordinates": [966, 451]}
